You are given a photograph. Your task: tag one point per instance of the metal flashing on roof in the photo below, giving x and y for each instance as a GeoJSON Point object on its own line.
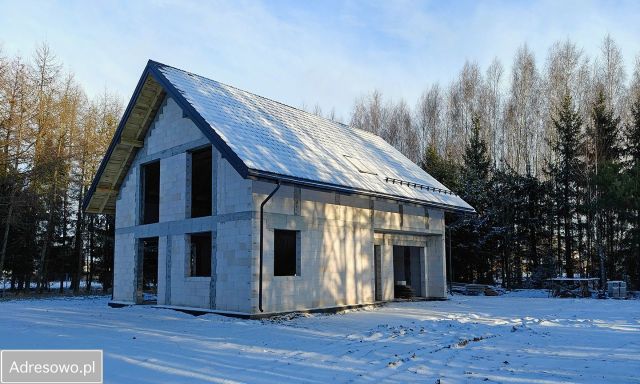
{"type": "Point", "coordinates": [360, 165]}
{"type": "Point", "coordinates": [417, 185]}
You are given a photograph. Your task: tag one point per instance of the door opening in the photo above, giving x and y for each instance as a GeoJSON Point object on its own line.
{"type": "Point", "coordinates": [407, 272]}
{"type": "Point", "coordinates": [148, 286]}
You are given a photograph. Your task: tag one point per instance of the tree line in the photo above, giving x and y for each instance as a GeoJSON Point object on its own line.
{"type": "Point", "coordinates": [548, 154]}
{"type": "Point", "coordinates": [52, 138]}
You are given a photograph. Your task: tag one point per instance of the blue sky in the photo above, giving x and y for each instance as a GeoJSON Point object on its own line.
{"type": "Point", "coordinates": [307, 52]}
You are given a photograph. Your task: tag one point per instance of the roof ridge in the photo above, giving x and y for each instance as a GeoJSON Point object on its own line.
{"type": "Point", "coordinates": [266, 98]}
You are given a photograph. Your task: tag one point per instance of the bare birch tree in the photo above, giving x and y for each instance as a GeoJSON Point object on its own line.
{"type": "Point", "coordinates": [429, 118]}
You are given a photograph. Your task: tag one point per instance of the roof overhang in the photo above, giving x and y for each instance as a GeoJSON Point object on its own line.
{"type": "Point", "coordinates": [128, 138]}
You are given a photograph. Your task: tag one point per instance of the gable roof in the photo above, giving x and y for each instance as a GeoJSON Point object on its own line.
{"type": "Point", "coordinates": [265, 139]}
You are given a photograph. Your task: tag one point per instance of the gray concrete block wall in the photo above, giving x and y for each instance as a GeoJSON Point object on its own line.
{"type": "Point", "coordinates": [233, 272]}
{"type": "Point", "coordinates": [386, 215]}
{"type": "Point", "coordinates": [413, 218]}
{"type": "Point", "coordinates": [335, 261]}
{"type": "Point", "coordinates": [388, 283]}
{"type": "Point", "coordinates": [436, 267]}
{"type": "Point", "coordinates": [126, 205]}
{"type": "Point", "coordinates": [233, 192]}
{"type": "Point", "coordinates": [163, 270]}
{"type": "Point", "coordinates": [124, 278]}
{"type": "Point", "coordinates": [173, 188]}
{"type": "Point", "coordinates": [234, 241]}
{"type": "Point", "coordinates": [337, 241]}
{"type": "Point", "coordinates": [186, 290]}
{"type": "Point", "coordinates": [170, 129]}
{"type": "Point", "coordinates": [169, 139]}
{"type": "Point", "coordinates": [436, 220]}
{"type": "Point", "coordinates": [336, 245]}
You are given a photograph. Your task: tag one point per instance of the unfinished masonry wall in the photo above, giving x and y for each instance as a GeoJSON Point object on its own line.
{"type": "Point", "coordinates": [169, 140]}
{"type": "Point", "coordinates": [337, 234]}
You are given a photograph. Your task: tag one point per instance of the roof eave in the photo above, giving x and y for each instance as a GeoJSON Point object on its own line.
{"type": "Point", "coordinates": [269, 176]}
{"type": "Point", "coordinates": [116, 138]}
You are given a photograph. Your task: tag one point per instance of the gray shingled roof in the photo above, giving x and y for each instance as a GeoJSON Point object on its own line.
{"type": "Point", "coordinates": [278, 139]}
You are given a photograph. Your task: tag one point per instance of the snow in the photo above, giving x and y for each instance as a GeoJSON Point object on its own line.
{"type": "Point", "coordinates": [528, 293]}
{"type": "Point", "coordinates": [53, 286]}
{"type": "Point", "coordinates": [466, 339]}
{"type": "Point", "coordinates": [272, 137]}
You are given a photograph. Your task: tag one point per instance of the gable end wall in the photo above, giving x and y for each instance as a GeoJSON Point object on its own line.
{"type": "Point", "coordinates": [169, 139]}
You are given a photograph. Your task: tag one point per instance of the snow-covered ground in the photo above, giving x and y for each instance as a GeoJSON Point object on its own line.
{"type": "Point", "coordinates": [466, 339]}
{"type": "Point", "coordinates": [5, 283]}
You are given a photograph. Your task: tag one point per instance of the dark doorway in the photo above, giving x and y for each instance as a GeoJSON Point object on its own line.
{"type": "Point", "coordinates": [201, 182]}
{"type": "Point", "coordinates": [377, 267]}
{"type": "Point", "coordinates": [149, 250]}
{"type": "Point", "coordinates": [407, 272]}
{"type": "Point", "coordinates": [150, 192]}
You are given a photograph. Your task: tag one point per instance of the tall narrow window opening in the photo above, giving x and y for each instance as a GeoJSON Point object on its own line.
{"type": "Point", "coordinates": [200, 254]}
{"type": "Point", "coordinates": [151, 193]}
{"type": "Point", "coordinates": [201, 182]}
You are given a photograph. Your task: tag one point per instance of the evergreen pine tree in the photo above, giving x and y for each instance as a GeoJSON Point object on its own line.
{"type": "Point", "coordinates": [565, 174]}
{"type": "Point", "coordinates": [605, 174]}
{"type": "Point", "coordinates": [505, 201]}
{"type": "Point", "coordinates": [473, 236]}
{"type": "Point", "coordinates": [445, 171]}
{"type": "Point", "coordinates": [604, 131]}
{"type": "Point", "coordinates": [477, 166]}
